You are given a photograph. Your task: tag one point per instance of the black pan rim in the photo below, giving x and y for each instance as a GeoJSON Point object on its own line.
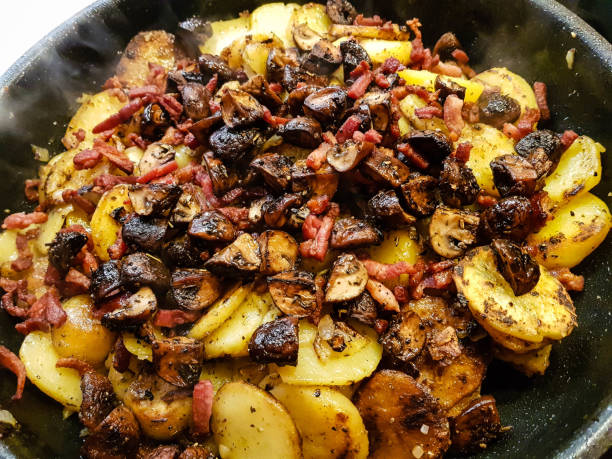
{"type": "Point", "coordinates": [594, 438]}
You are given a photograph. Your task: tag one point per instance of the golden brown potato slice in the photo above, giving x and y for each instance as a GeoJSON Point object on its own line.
{"type": "Point", "coordinates": [401, 417]}
{"type": "Point", "coordinates": [154, 46]}
{"type": "Point", "coordinates": [530, 363]}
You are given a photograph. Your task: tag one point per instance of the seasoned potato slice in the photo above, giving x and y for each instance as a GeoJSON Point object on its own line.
{"type": "Point", "coordinates": [219, 312]}
{"type": "Point", "coordinates": [356, 362]}
{"type": "Point", "coordinates": [221, 371]}
{"type": "Point", "coordinates": [531, 363]}
{"type": "Point", "coordinates": [328, 422]}
{"type": "Point", "coordinates": [247, 422]}
{"type": "Point", "coordinates": [8, 247]}
{"type": "Point", "coordinates": [313, 15]}
{"type": "Point", "coordinates": [39, 357]}
{"type": "Point", "coordinates": [82, 336]}
{"type": "Point", "coordinates": [138, 347]}
{"type": "Point", "coordinates": [151, 46]}
{"type": "Point", "coordinates": [409, 104]}
{"type": "Point", "coordinates": [381, 50]}
{"type": "Point", "coordinates": [487, 144]}
{"type": "Point", "coordinates": [232, 337]}
{"type": "Point", "coordinates": [544, 314]}
{"type": "Point", "coordinates": [578, 171]}
{"type": "Point", "coordinates": [224, 33]}
{"type": "Point", "coordinates": [51, 227]}
{"type": "Point", "coordinates": [275, 18]}
{"type": "Point", "coordinates": [104, 227]}
{"type": "Point", "coordinates": [510, 84]}
{"type": "Point", "coordinates": [427, 79]}
{"type": "Point", "coordinates": [573, 233]}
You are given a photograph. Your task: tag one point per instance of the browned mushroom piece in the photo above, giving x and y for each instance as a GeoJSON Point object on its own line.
{"type": "Point", "coordinates": [363, 308]}
{"type": "Point", "coordinates": [275, 169]}
{"type": "Point", "coordinates": [302, 131]}
{"type": "Point", "coordinates": [99, 399]}
{"type": "Point", "coordinates": [156, 155]}
{"type": "Point", "coordinates": [294, 293]}
{"type": "Point", "coordinates": [323, 58]}
{"type": "Point", "coordinates": [452, 231]}
{"type": "Point", "coordinates": [433, 145]}
{"type": "Point", "coordinates": [116, 436]}
{"type": "Point", "coordinates": [446, 44]}
{"type": "Point", "coordinates": [497, 109]}
{"type": "Point", "coordinates": [240, 109]}
{"type": "Point", "coordinates": [196, 452]}
{"type": "Point", "coordinates": [349, 233]}
{"type": "Point", "coordinates": [296, 98]}
{"type": "Point", "coordinates": [352, 55]}
{"type": "Point", "coordinates": [347, 280]}
{"type": "Point", "coordinates": [379, 104]}
{"type": "Point", "coordinates": [394, 408]}
{"type": "Point", "coordinates": [443, 345]}
{"type": "Point", "coordinates": [341, 11]}
{"type": "Point", "coordinates": [178, 360]}
{"type": "Point", "coordinates": [142, 270]}
{"type": "Point", "coordinates": [514, 174]}
{"type": "Point", "coordinates": [212, 226]}
{"type": "Point", "coordinates": [195, 100]}
{"type": "Point", "coordinates": [385, 206]}
{"type": "Point", "coordinates": [106, 281]}
{"type": "Point", "coordinates": [508, 218]}
{"type": "Point", "coordinates": [326, 104]}
{"type": "Point", "coordinates": [188, 206]}
{"type": "Point", "coordinates": [405, 337]}
{"type": "Point", "coordinates": [154, 122]}
{"type": "Point", "coordinates": [543, 139]}
{"type": "Point", "coordinates": [346, 156]}
{"type": "Point", "coordinates": [518, 268]}
{"type": "Point", "coordinates": [144, 233]}
{"type": "Point", "coordinates": [159, 452]}
{"type": "Point", "coordinates": [276, 62]}
{"type": "Point", "coordinates": [194, 289]}
{"type": "Point", "coordinates": [232, 144]}
{"type": "Point", "coordinates": [323, 181]}
{"type": "Point", "coordinates": [458, 185]}
{"type": "Point", "coordinates": [276, 342]}
{"type": "Point", "coordinates": [210, 65]}
{"type": "Point", "coordinates": [305, 38]}
{"type": "Point", "coordinates": [296, 76]}
{"type": "Point", "coordinates": [419, 194]}
{"type": "Point", "coordinates": [138, 309]}
{"type": "Point", "coordinates": [65, 246]}
{"type": "Point", "coordinates": [223, 178]}
{"type": "Point", "coordinates": [476, 427]}
{"type": "Point", "coordinates": [154, 199]}
{"type": "Point", "coordinates": [542, 164]}
{"type": "Point", "coordinates": [279, 252]}
{"type": "Point", "coordinates": [241, 258]}
{"type": "Point", "coordinates": [446, 87]}
{"type": "Point", "coordinates": [385, 169]}
{"type": "Point", "coordinates": [276, 212]}
{"type": "Point", "coordinates": [181, 251]}
{"type": "Point", "coordinates": [258, 87]}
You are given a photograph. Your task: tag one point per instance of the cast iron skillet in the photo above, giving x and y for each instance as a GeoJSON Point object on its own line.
{"type": "Point", "coordinates": [567, 412]}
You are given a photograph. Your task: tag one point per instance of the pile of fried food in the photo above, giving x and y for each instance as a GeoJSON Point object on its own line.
{"type": "Point", "coordinates": [298, 233]}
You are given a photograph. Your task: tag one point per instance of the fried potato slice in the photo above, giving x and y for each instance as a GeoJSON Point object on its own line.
{"type": "Point", "coordinates": [427, 79]}
{"type": "Point", "coordinates": [104, 228]}
{"type": "Point", "coordinates": [544, 314]}
{"type": "Point", "coordinates": [530, 363]}
{"type": "Point", "coordinates": [219, 312]}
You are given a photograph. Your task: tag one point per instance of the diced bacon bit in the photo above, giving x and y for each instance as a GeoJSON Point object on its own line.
{"type": "Point", "coordinates": [112, 83]}
{"type": "Point", "coordinates": [318, 156]}
{"type": "Point", "coordinates": [417, 54]}
{"type": "Point", "coordinates": [272, 120]}
{"type": "Point", "coordinates": [110, 305]}
{"type": "Point", "coordinates": [212, 83]}
{"type": "Point", "coordinates": [232, 195]}
{"type": "Point", "coordinates": [24, 258]}
{"type": "Point", "coordinates": [526, 121]}
{"type": "Point", "coordinates": [429, 112]}
{"type": "Point", "coordinates": [358, 136]}
{"type": "Point", "coordinates": [452, 116]}
{"type": "Point", "coordinates": [540, 90]}
{"type": "Point", "coordinates": [320, 230]}
{"type": "Point", "coordinates": [22, 220]}
{"type": "Point", "coordinates": [391, 65]}
{"type": "Point", "coordinates": [569, 280]}
{"type": "Point", "coordinates": [116, 157]}
{"type": "Point", "coordinates": [151, 91]}
{"type": "Point", "coordinates": [460, 56]}
{"type": "Point", "coordinates": [415, 158]}
{"type": "Point", "coordinates": [43, 313]}
{"type": "Point", "coordinates": [187, 173]}
{"type": "Point", "coordinates": [76, 364]}
{"type": "Point", "coordinates": [107, 181]}
{"type": "Point", "coordinates": [318, 204]}
{"type": "Point", "coordinates": [31, 189]}
{"type": "Point", "coordinates": [172, 136]}
{"type": "Point", "coordinates": [77, 281]}
{"type": "Point", "coordinates": [485, 200]}
{"type": "Point", "coordinates": [191, 141]}
{"type": "Point", "coordinates": [121, 356]}
{"type": "Point", "coordinates": [172, 106]}
{"type": "Point", "coordinates": [447, 69]}
{"type": "Point", "coordinates": [16, 300]}
{"type": "Point", "coordinates": [511, 131]}
{"type": "Point", "coordinates": [119, 247]}
{"type": "Point", "coordinates": [87, 159]}
{"type": "Point", "coordinates": [276, 87]}
{"type": "Point", "coordinates": [373, 136]}
{"type": "Point", "coordinates": [400, 92]}
{"type": "Point", "coordinates": [462, 153]}
{"type": "Point", "coordinates": [158, 171]}
{"type": "Point", "coordinates": [385, 272]}
{"type": "Point", "coordinates": [124, 114]}
{"type": "Point", "coordinates": [12, 363]}
{"type": "Point", "coordinates": [350, 125]}
{"type": "Point", "coordinates": [203, 179]}
{"type": "Point", "coordinates": [439, 282]}
{"type": "Point", "coordinates": [470, 112]}
{"type": "Point", "coordinates": [381, 81]}
{"type": "Point", "coordinates": [52, 277]}
{"type": "Point", "coordinates": [436, 267]}
{"type": "Point", "coordinates": [381, 325]}
{"type": "Point", "coordinates": [382, 295]}
{"type": "Point", "coordinates": [239, 216]}
{"type": "Point", "coordinates": [134, 140]}
{"type": "Point", "coordinates": [567, 139]}
{"type": "Point", "coordinates": [401, 294]}
{"type": "Point", "coordinates": [157, 76]}
{"type": "Point", "coordinates": [373, 21]}
{"type": "Point", "coordinates": [170, 318]}
{"type": "Point", "coordinates": [311, 226]}
{"type": "Point", "coordinates": [360, 86]}
{"type": "Point", "coordinates": [106, 135]}
{"type": "Point", "coordinates": [203, 394]}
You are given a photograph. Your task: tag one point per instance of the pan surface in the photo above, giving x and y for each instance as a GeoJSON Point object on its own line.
{"type": "Point", "coordinates": [567, 412]}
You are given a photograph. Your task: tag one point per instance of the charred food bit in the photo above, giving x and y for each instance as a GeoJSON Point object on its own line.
{"type": "Point", "coordinates": [105, 281]}
{"type": "Point", "coordinates": [212, 226]}
{"type": "Point", "coordinates": [452, 231]}
{"type": "Point", "coordinates": [346, 156]}
{"type": "Point", "coordinates": [232, 144]}
{"type": "Point", "coordinates": [543, 139]}
{"type": "Point", "coordinates": [194, 289]}
{"type": "Point", "coordinates": [323, 58]}
{"type": "Point", "coordinates": [302, 131]}
{"type": "Point", "coordinates": [64, 247]}
{"type": "Point", "coordinates": [276, 342]}
{"type": "Point", "coordinates": [458, 186]}
{"type": "Point", "coordinates": [514, 174]}
{"type": "Point", "coordinates": [240, 109]}
{"type": "Point", "coordinates": [363, 308]}
{"type": "Point", "coordinates": [279, 251]}
{"type": "Point", "coordinates": [385, 206]}
{"type": "Point", "coordinates": [178, 360]}
{"type": "Point", "coordinates": [405, 337]}
{"type": "Point", "coordinates": [419, 194]}
{"type": "Point", "coordinates": [275, 170]}
{"type": "Point", "coordinates": [154, 122]}
{"type": "Point", "coordinates": [446, 44]}
{"type": "Point", "coordinates": [350, 233]}
{"type": "Point", "coordinates": [385, 169]}
{"type": "Point", "coordinates": [144, 233]}
{"type": "Point", "coordinates": [153, 199]}
{"type": "Point", "coordinates": [181, 251]}
{"type": "Point", "coordinates": [476, 426]}
{"type": "Point", "coordinates": [352, 55]}
{"type": "Point", "coordinates": [276, 211]}
{"type": "Point", "coordinates": [508, 218]}
{"type": "Point", "coordinates": [295, 76]}
{"type": "Point", "coordinates": [325, 105]}
{"type": "Point", "coordinates": [518, 268]}
{"type": "Point", "coordinates": [142, 270]}
{"type": "Point", "coordinates": [432, 145]}
{"type": "Point", "coordinates": [294, 293]}
{"type": "Point", "coordinates": [241, 257]}
{"type": "Point", "coordinates": [138, 309]}
{"type": "Point", "coordinates": [347, 280]}
{"type": "Point", "coordinates": [116, 436]}
{"type": "Point", "coordinates": [496, 109]}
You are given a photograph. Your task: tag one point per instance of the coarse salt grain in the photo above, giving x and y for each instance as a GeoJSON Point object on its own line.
{"type": "Point", "coordinates": [417, 451]}
{"type": "Point", "coordinates": [424, 429]}
{"type": "Point", "coordinates": [569, 58]}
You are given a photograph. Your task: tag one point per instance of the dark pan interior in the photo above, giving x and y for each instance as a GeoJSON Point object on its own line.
{"type": "Point", "coordinates": [567, 412]}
